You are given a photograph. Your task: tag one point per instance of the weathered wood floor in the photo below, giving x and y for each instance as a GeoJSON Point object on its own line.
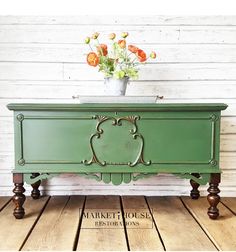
{"type": "Point", "coordinates": [173, 223]}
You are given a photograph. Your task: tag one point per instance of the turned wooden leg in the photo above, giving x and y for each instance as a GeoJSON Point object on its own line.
{"type": "Point", "coordinates": [19, 197]}
{"type": "Point", "coordinates": [35, 193]}
{"type": "Point", "coordinates": [213, 197]}
{"type": "Point", "coordinates": [194, 192]}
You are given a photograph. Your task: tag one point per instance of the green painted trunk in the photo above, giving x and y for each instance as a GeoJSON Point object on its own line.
{"type": "Point", "coordinates": [113, 142]}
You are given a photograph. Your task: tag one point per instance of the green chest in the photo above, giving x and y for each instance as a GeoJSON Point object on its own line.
{"type": "Point", "coordinates": [117, 142]}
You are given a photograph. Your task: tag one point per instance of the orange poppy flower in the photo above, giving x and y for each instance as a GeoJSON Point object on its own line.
{"type": "Point", "coordinates": [102, 50]}
{"type": "Point", "coordinates": [122, 43]}
{"type": "Point", "coordinates": [141, 55]}
{"type": "Point", "coordinates": [133, 48]}
{"type": "Point", "coordinates": [92, 59]}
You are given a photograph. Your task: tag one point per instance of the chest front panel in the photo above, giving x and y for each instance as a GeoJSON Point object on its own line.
{"type": "Point", "coordinates": [117, 141]}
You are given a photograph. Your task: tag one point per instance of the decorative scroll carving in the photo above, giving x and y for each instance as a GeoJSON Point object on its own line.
{"type": "Point", "coordinates": [97, 177]}
{"type": "Point", "coordinates": [142, 176]}
{"type": "Point", "coordinates": [29, 179]}
{"type": "Point", "coordinates": [117, 122]}
{"type": "Point", "coordinates": [109, 178]}
{"type": "Point", "coordinates": [124, 177]}
{"type": "Point", "coordinates": [202, 180]}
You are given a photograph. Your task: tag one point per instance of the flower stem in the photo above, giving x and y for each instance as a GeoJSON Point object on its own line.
{"type": "Point", "coordinates": [100, 48]}
{"type": "Point", "coordinates": [90, 47]}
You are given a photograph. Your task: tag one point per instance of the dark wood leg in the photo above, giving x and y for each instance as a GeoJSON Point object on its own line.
{"type": "Point", "coordinates": [35, 193]}
{"type": "Point", "coordinates": [194, 192]}
{"type": "Point", "coordinates": [213, 197]}
{"type": "Point", "coordinates": [19, 197]}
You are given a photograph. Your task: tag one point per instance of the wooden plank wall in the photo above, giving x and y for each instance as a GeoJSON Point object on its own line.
{"type": "Point", "coordinates": [42, 60]}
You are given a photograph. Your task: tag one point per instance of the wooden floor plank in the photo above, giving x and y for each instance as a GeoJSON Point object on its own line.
{"type": "Point", "coordinates": [58, 225]}
{"type": "Point", "coordinates": [3, 201]}
{"type": "Point", "coordinates": [230, 203]}
{"type": "Point", "coordinates": [222, 230]}
{"type": "Point", "coordinates": [13, 232]}
{"type": "Point", "coordinates": [144, 236]}
{"type": "Point", "coordinates": [178, 229]}
{"type": "Point", "coordinates": [104, 237]}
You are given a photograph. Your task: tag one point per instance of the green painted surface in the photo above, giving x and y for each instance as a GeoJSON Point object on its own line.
{"type": "Point", "coordinates": [106, 178]}
{"type": "Point", "coordinates": [117, 140]}
{"type": "Point", "coordinates": [57, 140]}
{"type": "Point", "coordinates": [126, 177]}
{"type": "Point", "coordinates": [113, 106]}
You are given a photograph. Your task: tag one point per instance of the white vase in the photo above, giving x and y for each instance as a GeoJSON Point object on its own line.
{"type": "Point", "coordinates": [114, 86]}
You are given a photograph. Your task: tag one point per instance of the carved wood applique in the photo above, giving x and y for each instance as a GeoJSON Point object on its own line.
{"type": "Point", "coordinates": [133, 132]}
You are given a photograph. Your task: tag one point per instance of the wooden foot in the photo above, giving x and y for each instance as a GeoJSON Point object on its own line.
{"type": "Point", "coordinates": [195, 194]}
{"type": "Point", "coordinates": [35, 193]}
{"type": "Point", "coordinates": [19, 197]}
{"type": "Point", "coordinates": [213, 197]}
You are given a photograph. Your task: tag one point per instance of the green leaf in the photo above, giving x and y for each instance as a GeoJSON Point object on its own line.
{"type": "Point", "coordinates": [132, 72]}
{"type": "Point", "coordinates": [119, 74]}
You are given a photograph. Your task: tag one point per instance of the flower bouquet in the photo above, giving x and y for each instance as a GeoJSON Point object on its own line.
{"type": "Point", "coordinates": [119, 64]}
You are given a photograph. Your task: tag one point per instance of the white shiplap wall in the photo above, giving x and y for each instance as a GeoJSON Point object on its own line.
{"type": "Point", "coordinates": [42, 60]}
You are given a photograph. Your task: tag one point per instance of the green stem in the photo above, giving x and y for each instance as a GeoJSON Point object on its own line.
{"type": "Point", "coordinates": [100, 47]}
{"type": "Point", "coordinates": [133, 61]}
{"type": "Point", "coordinates": [90, 47]}
{"type": "Point", "coordinates": [114, 50]}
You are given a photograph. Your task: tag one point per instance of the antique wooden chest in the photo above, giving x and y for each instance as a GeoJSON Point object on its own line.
{"type": "Point", "coordinates": [117, 143]}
